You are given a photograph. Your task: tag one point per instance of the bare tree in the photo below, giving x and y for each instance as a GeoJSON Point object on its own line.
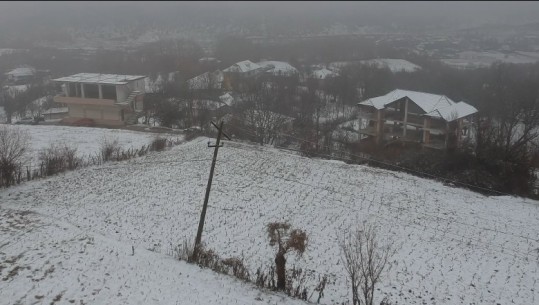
{"type": "Point", "coordinates": [259, 116]}
{"type": "Point", "coordinates": [364, 260]}
{"type": "Point", "coordinates": [296, 240]}
{"type": "Point", "coordinates": [14, 143]}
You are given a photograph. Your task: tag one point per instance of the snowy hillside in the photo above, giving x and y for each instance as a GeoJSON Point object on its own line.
{"type": "Point", "coordinates": [58, 263]}
{"type": "Point", "coordinates": [87, 140]}
{"type": "Point", "coordinates": [453, 246]}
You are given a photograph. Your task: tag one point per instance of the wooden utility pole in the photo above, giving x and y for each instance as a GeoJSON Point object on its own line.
{"type": "Point", "coordinates": [205, 206]}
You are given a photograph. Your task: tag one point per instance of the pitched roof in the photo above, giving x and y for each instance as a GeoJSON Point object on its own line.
{"type": "Point", "coordinates": [395, 65]}
{"type": "Point", "coordinates": [206, 80]}
{"type": "Point", "coordinates": [278, 67]}
{"type": "Point", "coordinates": [323, 73]}
{"type": "Point", "coordinates": [243, 66]}
{"type": "Point", "coordinates": [97, 78]}
{"type": "Point", "coordinates": [433, 105]}
{"type": "Point", "coordinates": [453, 112]}
{"type": "Point", "coordinates": [22, 71]}
{"type": "Point", "coordinates": [426, 101]}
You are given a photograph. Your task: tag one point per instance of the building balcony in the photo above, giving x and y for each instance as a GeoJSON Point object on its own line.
{"type": "Point", "coordinates": [71, 100]}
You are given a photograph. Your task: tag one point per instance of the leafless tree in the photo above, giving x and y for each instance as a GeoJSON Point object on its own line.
{"type": "Point", "coordinates": [365, 260]}
{"type": "Point", "coordinates": [14, 143]}
{"type": "Point", "coordinates": [259, 115]}
{"type": "Point", "coordinates": [286, 240]}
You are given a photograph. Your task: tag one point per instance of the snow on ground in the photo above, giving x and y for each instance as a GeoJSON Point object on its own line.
{"type": "Point", "coordinates": [56, 262]}
{"type": "Point", "coordinates": [87, 140]}
{"type": "Point", "coordinates": [395, 65]}
{"type": "Point", "coordinates": [453, 246]}
{"type": "Point", "coordinates": [473, 59]}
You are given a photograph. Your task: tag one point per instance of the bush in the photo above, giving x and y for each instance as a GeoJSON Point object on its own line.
{"type": "Point", "coordinates": [14, 143]}
{"type": "Point", "coordinates": [109, 148]}
{"type": "Point", "coordinates": [58, 158]}
{"type": "Point", "coordinates": [158, 144]}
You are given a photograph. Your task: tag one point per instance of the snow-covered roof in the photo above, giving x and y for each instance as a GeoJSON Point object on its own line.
{"type": "Point", "coordinates": [23, 71]}
{"type": "Point", "coordinates": [206, 80]}
{"type": "Point", "coordinates": [56, 110]}
{"type": "Point", "coordinates": [97, 78]}
{"type": "Point", "coordinates": [207, 104]}
{"type": "Point", "coordinates": [15, 89]}
{"type": "Point", "coordinates": [243, 66]}
{"type": "Point", "coordinates": [434, 105]}
{"type": "Point", "coordinates": [227, 98]}
{"type": "Point", "coordinates": [453, 112]}
{"type": "Point", "coordinates": [278, 67]}
{"type": "Point", "coordinates": [426, 101]}
{"type": "Point", "coordinates": [323, 73]}
{"type": "Point", "coordinates": [395, 65]}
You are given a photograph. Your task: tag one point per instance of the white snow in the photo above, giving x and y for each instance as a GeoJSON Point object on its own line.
{"type": "Point", "coordinates": [323, 73]}
{"type": "Point", "coordinates": [434, 105]}
{"type": "Point", "coordinates": [87, 140]}
{"type": "Point", "coordinates": [243, 66]}
{"type": "Point", "coordinates": [453, 246]}
{"type": "Point", "coordinates": [453, 112]}
{"type": "Point", "coordinates": [98, 78]}
{"type": "Point", "coordinates": [395, 65]}
{"type": "Point", "coordinates": [22, 71]}
{"type": "Point", "coordinates": [279, 68]}
{"type": "Point", "coordinates": [474, 59]}
{"type": "Point", "coordinates": [56, 260]}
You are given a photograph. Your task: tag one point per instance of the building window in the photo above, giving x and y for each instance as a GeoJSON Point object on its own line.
{"type": "Point", "coordinates": [91, 91]}
{"type": "Point", "coordinates": [109, 92]}
{"type": "Point", "coordinates": [74, 90]}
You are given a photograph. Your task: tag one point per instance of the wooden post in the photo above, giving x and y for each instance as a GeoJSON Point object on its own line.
{"type": "Point", "coordinates": [208, 188]}
{"type": "Point", "coordinates": [426, 132]}
{"type": "Point", "coordinates": [405, 118]}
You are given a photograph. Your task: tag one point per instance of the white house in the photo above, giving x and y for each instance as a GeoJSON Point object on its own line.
{"type": "Point", "coordinates": [107, 99]}
{"type": "Point", "coordinates": [279, 68]}
{"type": "Point", "coordinates": [433, 120]}
{"type": "Point", "coordinates": [21, 75]}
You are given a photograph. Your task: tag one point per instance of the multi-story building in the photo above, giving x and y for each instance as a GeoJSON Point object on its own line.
{"type": "Point", "coordinates": [434, 121]}
{"type": "Point", "coordinates": [107, 99]}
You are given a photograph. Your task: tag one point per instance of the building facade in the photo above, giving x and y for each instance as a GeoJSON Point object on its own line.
{"type": "Point", "coordinates": [434, 121]}
{"type": "Point", "coordinates": [107, 99]}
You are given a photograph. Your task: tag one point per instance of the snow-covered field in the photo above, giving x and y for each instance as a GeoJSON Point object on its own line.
{"type": "Point", "coordinates": [87, 140]}
{"type": "Point", "coordinates": [395, 65]}
{"type": "Point", "coordinates": [58, 263]}
{"type": "Point", "coordinates": [471, 59]}
{"type": "Point", "coordinates": [453, 246]}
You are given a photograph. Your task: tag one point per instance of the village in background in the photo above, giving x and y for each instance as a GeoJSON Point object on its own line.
{"type": "Point", "coordinates": [384, 119]}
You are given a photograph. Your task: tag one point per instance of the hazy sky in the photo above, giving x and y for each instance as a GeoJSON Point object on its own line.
{"type": "Point", "coordinates": [370, 11]}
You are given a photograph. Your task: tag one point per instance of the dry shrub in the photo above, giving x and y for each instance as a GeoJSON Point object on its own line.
{"type": "Point", "coordinates": [109, 148]}
{"type": "Point", "coordinates": [14, 143]}
{"type": "Point", "coordinates": [58, 158]}
{"type": "Point", "coordinates": [237, 267]}
{"type": "Point", "coordinates": [158, 144]}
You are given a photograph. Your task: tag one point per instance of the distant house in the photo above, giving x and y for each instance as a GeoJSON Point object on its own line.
{"type": "Point", "coordinates": [22, 75]}
{"type": "Point", "coordinates": [323, 74]}
{"type": "Point", "coordinates": [394, 65]}
{"type": "Point", "coordinates": [433, 120]}
{"type": "Point", "coordinates": [107, 99]}
{"type": "Point", "coordinates": [207, 81]}
{"type": "Point", "coordinates": [199, 111]}
{"type": "Point", "coordinates": [279, 68]}
{"type": "Point", "coordinates": [239, 72]}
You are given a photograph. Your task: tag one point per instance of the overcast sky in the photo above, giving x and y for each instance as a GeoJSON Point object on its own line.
{"type": "Point", "coordinates": [370, 11]}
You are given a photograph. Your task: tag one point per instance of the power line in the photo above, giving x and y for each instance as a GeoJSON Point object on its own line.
{"type": "Point", "coordinates": [522, 255]}
{"type": "Point", "coordinates": [385, 163]}
{"type": "Point", "coordinates": [409, 210]}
